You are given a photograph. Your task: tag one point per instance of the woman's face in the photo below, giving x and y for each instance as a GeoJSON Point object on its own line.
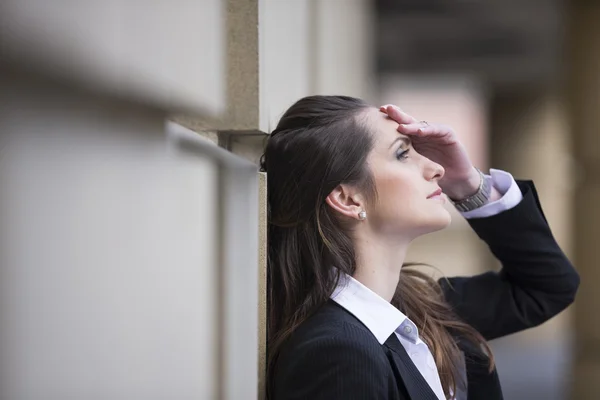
{"type": "Point", "coordinates": [409, 199]}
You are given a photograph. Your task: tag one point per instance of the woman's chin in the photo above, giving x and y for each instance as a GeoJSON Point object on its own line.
{"type": "Point", "coordinates": [440, 222]}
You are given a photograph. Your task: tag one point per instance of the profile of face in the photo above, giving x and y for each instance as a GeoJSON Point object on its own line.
{"type": "Point", "coordinates": [409, 201]}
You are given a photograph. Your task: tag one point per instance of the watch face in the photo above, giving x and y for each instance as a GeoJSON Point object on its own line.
{"type": "Point", "coordinates": [478, 199]}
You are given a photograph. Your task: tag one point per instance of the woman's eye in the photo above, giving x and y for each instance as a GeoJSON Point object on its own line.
{"type": "Point", "coordinates": [402, 154]}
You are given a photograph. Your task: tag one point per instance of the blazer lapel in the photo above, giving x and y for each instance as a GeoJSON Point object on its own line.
{"type": "Point", "coordinates": [406, 371]}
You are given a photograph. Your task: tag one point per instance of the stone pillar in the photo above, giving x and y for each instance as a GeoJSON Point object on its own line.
{"type": "Point", "coordinates": [342, 48]}
{"type": "Point", "coordinates": [530, 139]}
{"type": "Point", "coordinates": [279, 51]}
{"type": "Point", "coordinates": [583, 77]}
{"type": "Point", "coordinates": [125, 242]}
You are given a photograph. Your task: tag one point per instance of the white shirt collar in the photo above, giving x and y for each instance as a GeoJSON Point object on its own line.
{"type": "Point", "coordinates": [377, 314]}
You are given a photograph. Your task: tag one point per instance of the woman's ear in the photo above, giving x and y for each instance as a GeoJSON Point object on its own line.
{"type": "Point", "coordinates": [346, 201]}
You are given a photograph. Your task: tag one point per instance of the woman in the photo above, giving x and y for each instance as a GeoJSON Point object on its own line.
{"type": "Point", "coordinates": [349, 187]}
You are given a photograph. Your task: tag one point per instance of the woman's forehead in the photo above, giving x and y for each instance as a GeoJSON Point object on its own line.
{"type": "Point", "coordinates": [383, 128]}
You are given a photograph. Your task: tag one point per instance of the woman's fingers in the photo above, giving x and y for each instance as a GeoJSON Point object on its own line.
{"type": "Point", "coordinates": [397, 114]}
{"type": "Point", "coordinates": [409, 125]}
{"type": "Point", "coordinates": [418, 128]}
{"type": "Point", "coordinates": [384, 108]}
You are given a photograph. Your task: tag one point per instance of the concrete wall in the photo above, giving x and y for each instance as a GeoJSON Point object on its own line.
{"type": "Point", "coordinates": [119, 279]}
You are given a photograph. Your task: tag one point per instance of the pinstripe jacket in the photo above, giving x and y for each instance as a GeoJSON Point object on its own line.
{"type": "Point", "coordinates": [334, 356]}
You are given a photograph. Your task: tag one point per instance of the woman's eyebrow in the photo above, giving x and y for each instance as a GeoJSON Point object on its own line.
{"type": "Point", "coordinates": [401, 138]}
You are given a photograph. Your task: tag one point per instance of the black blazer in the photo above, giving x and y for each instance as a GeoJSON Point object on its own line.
{"type": "Point", "coordinates": [334, 356]}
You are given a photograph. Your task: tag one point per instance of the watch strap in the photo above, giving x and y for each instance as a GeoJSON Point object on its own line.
{"type": "Point", "coordinates": [480, 198]}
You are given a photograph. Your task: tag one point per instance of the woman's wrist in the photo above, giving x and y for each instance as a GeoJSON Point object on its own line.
{"type": "Point", "coordinates": [465, 187]}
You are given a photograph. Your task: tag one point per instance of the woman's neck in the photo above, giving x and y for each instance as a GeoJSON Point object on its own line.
{"type": "Point", "coordinates": [378, 265]}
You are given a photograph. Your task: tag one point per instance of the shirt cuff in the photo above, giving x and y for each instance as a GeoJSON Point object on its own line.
{"type": "Point", "coordinates": [508, 188]}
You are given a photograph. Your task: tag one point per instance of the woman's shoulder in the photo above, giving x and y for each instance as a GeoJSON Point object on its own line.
{"type": "Point", "coordinates": [331, 323]}
{"type": "Point", "coordinates": [330, 337]}
{"type": "Point", "coordinates": [331, 355]}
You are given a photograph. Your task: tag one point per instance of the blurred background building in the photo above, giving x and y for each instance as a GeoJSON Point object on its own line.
{"type": "Point", "coordinates": [132, 213]}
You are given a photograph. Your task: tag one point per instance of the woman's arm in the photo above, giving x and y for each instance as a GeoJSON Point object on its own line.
{"type": "Point", "coordinates": [536, 282]}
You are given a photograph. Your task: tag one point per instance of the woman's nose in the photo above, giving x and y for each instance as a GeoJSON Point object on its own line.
{"type": "Point", "coordinates": [433, 170]}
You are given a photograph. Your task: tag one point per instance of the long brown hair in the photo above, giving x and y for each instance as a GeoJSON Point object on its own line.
{"type": "Point", "coordinates": [320, 143]}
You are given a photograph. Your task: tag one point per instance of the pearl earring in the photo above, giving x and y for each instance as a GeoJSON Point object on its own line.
{"type": "Point", "coordinates": [362, 215]}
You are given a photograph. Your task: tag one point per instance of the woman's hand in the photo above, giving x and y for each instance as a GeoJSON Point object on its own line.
{"type": "Point", "coordinates": [440, 144]}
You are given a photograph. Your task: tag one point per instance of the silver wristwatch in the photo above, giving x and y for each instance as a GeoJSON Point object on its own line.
{"type": "Point", "coordinates": [478, 199]}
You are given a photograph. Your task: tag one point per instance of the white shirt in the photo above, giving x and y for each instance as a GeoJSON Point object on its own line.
{"type": "Point", "coordinates": [383, 319]}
